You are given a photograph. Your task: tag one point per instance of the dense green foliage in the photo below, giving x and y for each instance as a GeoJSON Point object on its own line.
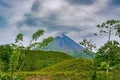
{"type": "Point", "coordinates": [39, 59]}
{"type": "Point", "coordinates": [5, 52]}
{"type": "Point", "coordinates": [111, 51]}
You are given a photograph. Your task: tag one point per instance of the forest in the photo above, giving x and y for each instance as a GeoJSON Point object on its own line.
{"type": "Point", "coordinates": [19, 62]}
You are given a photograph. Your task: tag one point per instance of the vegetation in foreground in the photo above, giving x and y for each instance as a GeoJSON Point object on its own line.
{"type": "Point", "coordinates": [72, 69]}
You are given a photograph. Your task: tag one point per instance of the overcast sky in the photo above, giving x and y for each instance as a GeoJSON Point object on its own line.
{"type": "Point", "coordinates": [75, 18]}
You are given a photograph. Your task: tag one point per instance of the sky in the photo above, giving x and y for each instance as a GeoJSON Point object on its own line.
{"type": "Point", "coordinates": [74, 18]}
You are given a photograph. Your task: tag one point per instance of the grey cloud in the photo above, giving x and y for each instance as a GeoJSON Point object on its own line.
{"type": "Point", "coordinates": [5, 4]}
{"type": "Point", "coordinates": [115, 3]}
{"type": "Point", "coordinates": [77, 18]}
{"type": "Point", "coordinates": [29, 21]}
{"type": "Point", "coordinates": [36, 6]}
{"type": "Point", "coordinates": [48, 23]}
{"type": "Point", "coordinates": [83, 2]}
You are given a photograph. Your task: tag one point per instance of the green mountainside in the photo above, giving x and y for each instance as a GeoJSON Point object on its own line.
{"type": "Point", "coordinates": [36, 60]}
{"type": "Point", "coordinates": [72, 69]}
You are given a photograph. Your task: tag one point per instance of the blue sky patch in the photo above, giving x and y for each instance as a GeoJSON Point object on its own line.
{"type": "Point", "coordinates": [4, 4]}
{"type": "Point", "coordinates": [3, 22]}
{"type": "Point", "coordinates": [115, 3]}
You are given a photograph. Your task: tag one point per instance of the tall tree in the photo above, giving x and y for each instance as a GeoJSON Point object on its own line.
{"type": "Point", "coordinates": [88, 44]}
{"type": "Point", "coordinates": [89, 47]}
{"type": "Point", "coordinates": [19, 38]}
{"type": "Point", "coordinates": [114, 53]}
{"type": "Point", "coordinates": [45, 42]}
{"type": "Point", "coordinates": [109, 28]}
{"type": "Point", "coordinates": [17, 55]}
{"type": "Point", "coordinates": [42, 44]}
{"type": "Point", "coordinates": [36, 35]}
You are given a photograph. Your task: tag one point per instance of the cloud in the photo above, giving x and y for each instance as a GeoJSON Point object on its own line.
{"type": "Point", "coordinates": [115, 3]}
{"type": "Point", "coordinates": [35, 6]}
{"type": "Point", "coordinates": [75, 18]}
{"type": "Point", "coordinates": [4, 4]}
{"type": "Point", "coordinates": [11, 16]}
{"type": "Point", "coordinates": [79, 2]}
{"type": "Point", "coordinates": [61, 15]}
{"type": "Point", "coordinates": [3, 22]}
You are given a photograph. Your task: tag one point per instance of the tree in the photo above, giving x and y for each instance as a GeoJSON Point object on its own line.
{"type": "Point", "coordinates": [88, 44]}
{"type": "Point", "coordinates": [46, 41]}
{"type": "Point", "coordinates": [113, 55]}
{"type": "Point", "coordinates": [19, 38]}
{"type": "Point", "coordinates": [17, 55]}
{"type": "Point", "coordinates": [36, 35]}
{"type": "Point", "coordinates": [89, 47]}
{"type": "Point", "coordinates": [39, 45]}
{"type": "Point", "coordinates": [13, 55]}
{"type": "Point", "coordinates": [5, 52]}
{"type": "Point", "coordinates": [109, 28]}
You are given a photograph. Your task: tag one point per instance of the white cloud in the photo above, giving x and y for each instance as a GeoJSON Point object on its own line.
{"type": "Point", "coordinates": [14, 15]}
{"type": "Point", "coordinates": [68, 14]}
{"type": "Point", "coordinates": [20, 8]}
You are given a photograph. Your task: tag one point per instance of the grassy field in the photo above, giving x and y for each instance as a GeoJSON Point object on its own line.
{"type": "Point", "coordinates": [72, 69]}
{"type": "Point", "coordinates": [48, 65]}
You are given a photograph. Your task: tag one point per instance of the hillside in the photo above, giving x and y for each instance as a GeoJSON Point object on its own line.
{"type": "Point", "coordinates": [75, 65]}
{"type": "Point", "coordinates": [40, 59]}
{"type": "Point", "coordinates": [73, 69]}
{"type": "Point", "coordinates": [78, 69]}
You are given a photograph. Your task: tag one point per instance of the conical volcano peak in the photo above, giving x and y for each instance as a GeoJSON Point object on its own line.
{"type": "Point", "coordinates": [61, 35]}
{"type": "Point", "coordinates": [65, 44]}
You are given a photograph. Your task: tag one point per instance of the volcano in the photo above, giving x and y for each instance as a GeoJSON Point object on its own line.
{"type": "Point", "coordinates": [65, 44]}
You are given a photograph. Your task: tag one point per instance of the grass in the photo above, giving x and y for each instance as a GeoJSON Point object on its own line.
{"type": "Point", "coordinates": [48, 65]}
{"type": "Point", "coordinates": [74, 69]}
{"type": "Point", "coordinates": [77, 65]}
{"type": "Point", "coordinates": [36, 60]}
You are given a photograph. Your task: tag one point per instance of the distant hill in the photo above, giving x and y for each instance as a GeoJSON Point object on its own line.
{"type": "Point", "coordinates": [65, 44]}
{"type": "Point", "coordinates": [40, 59]}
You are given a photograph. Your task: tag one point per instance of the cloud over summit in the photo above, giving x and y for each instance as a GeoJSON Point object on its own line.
{"type": "Point", "coordinates": [76, 18]}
